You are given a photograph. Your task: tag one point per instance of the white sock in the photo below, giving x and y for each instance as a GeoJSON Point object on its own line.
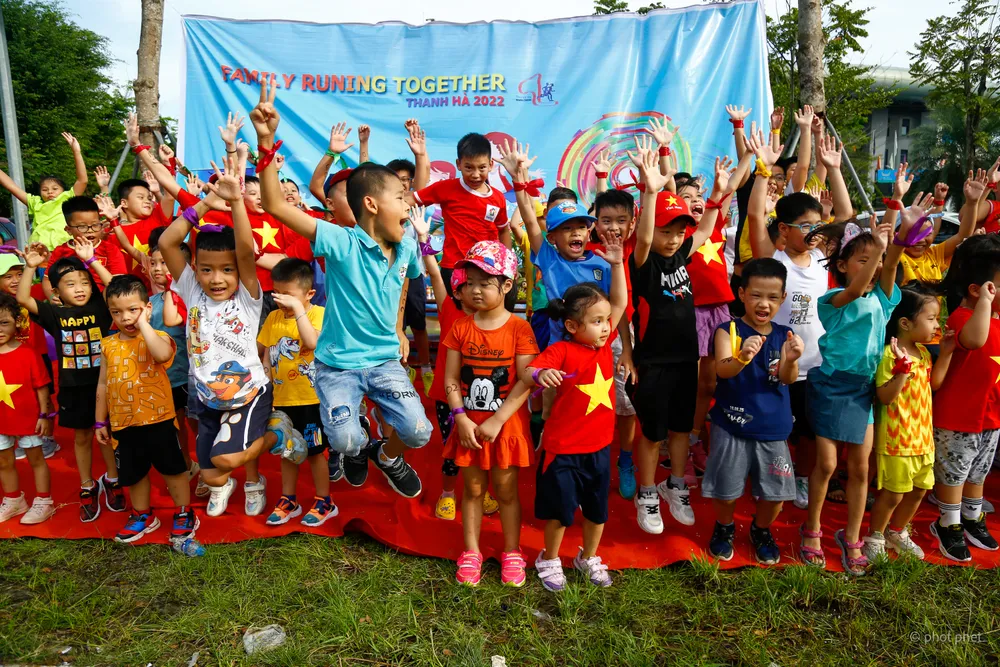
{"type": "Point", "coordinates": [950, 514]}
{"type": "Point", "coordinates": [385, 457]}
{"type": "Point", "coordinates": [426, 369]}
{"type": "Point", "coordinates": [971, 508]}
{"type": "Point", "coordinates": [447, 494]}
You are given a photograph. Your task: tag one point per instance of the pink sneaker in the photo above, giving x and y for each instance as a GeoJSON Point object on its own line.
{"type": "Point", "coordinates": [470, 568]}
{"type": "Point", "coordinates": [512, 566]}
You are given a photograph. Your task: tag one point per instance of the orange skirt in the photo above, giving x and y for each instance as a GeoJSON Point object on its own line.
{"type": "Point", "coordinates": [512, 448]}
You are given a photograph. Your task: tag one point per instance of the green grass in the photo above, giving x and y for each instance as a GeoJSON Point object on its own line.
{"type": "Point", "coordinates": [354, 602]}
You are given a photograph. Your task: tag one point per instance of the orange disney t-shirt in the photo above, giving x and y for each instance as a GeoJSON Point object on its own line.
{"type": "Point", "coordinates": [487, 375]}
{"type": "Point", "coordinates": [138, 388]}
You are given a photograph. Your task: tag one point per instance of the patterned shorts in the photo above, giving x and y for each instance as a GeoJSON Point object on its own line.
{"type": "Point", "coordinates": [963, 457]}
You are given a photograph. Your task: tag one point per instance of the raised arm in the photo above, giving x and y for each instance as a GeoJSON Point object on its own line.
{"type": "Point", "coordinates": [515, 160]}
{"type": "Point", "coordinates": [664, 136]}
{"type": "Point", "coordinates": [338, 145]}
{"type": "Point", "coordinates": [737, 116]}
{"type": "Point", "coordinates": [80, 185]}
{"type": "Point", "coordinates": [817, 136]}
{"type": "Point", "coordinates": [160, 173]}
{"type": "Point", "coordinates": [760, 240]}
{"type": "Point", "coordinates": [804, 119]}
{"type": "Point", "coordinates": [652, 182]}
{"type": "Point", "coordinates": [828, 151]}
{"type": "Point", "coordinates": [228, 187]}
{"type": "Point", "coordinates": [911, 217]}
{"type": "Point", "coordinates": [417, 141]}
{"type": "Point", "coordinates": [976, 331]}
{"type": "Point", "coordinates": [419, 221]}
{"type": "Point", "coordinates": [777, 121]}
{"type": "Point", "coordinates": [172, 237]}
{"type": "Point", "coordinates": [35, 255]}
{"type": "Point", "coordinates": [722, 189]}
{"type": "Point", "coordinates": [899, 190]}
{"type": "Point", "coordinates": [859, 286]}
{"type": "Point", "coordinates": [602, 171]}
{"type": "Point", "coordinates": [614, 255]}
{"type": "Point", "coordinates": [975, 190]}
{"type": "Point", "coordinates": [364, 134]}
{"type": "Point", "coordinates": [85, 251]}
{"type": "Point", "coordinates": [161, 348]}
{"type": "Point", "coordinates": [946, 350]}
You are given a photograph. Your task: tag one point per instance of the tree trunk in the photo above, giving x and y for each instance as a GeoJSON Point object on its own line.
{"type": "Point", "coordinates": [147, 84]}
{"type": "Point", "coordinates": [811, 46]}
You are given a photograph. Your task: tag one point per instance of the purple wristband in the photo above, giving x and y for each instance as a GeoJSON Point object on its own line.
{"type": "Point", "coordinates": [427, 249]}
{"type": "Point", "coordinates": [88, 262]}
{"type": "Point", "coordinates": [48, 415]}
{"type": "Point", "coordinates": [457, 411]}
{"type": "Point", "coordinates": [534, 376]}
{"type": "Point", "coordinates": [191, 216]}
{"type": "Point", "coordinates": [101, 424]}
{"type": "Point", "coordinates": [917, 233]}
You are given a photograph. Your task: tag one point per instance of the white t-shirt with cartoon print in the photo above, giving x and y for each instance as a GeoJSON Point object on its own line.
{"type": "Point", "coordinates": [222, 344]}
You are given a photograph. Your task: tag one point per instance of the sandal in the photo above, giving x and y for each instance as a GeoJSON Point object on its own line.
{"type": "Point", "coordinates": [854, 566]}
{"type": "Point", "coordinates": [835, 487]}
{"type": "Point", "coordinates": [810, 555]}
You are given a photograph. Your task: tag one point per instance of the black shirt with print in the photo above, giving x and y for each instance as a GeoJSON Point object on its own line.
{"type": "Point", "coordinates": [77, 331]}
{"type": "Point", "coordinates": [664, 319]}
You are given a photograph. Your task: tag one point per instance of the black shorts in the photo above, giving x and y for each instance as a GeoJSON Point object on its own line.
{"type": "Point", "coordinates": [570, 481]}
{"type": "Point", "coordinates": [307, 421]}
{"type": "Point", "coordinates": [180, 398]}
{"type": "Point", "coordinates": [230, 431]}
{"type": "Point", "coordinates": [664, 399]}
{"type": "Point", "coordinates": [77, 406]}
{"type": "Point", "coordinates": [142, 447]}
{"type": "Point", "coordinates": [801, 428]}
{"type": "Point", "coordinates": [415, 308]}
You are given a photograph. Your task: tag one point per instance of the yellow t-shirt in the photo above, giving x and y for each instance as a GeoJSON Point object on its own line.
{"type": "Point", "coordinates": [48, 225]}
{"type": "Point", "coordinates": [905, 428]}
{"type": "Point", "coordinates": [138, 388]}
{"type": "Point", "coordinates": [292, 371]}
{"type": "Point", "coordinates": [928, 268]}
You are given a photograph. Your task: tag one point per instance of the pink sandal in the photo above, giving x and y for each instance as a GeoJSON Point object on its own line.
{"type": "Point", "coordinates": [853, 566]}
{"type": "Point", "coordinates": [810, 555]}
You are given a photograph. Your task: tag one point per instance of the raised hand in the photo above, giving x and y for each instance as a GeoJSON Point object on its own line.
{"type": "Point", "coordinates": [777, 118]}
{"type": "Point", "coordinates": [338, 138]}
{"type": "Point", "coordinates": [916, 212]}
{"type": "Point", "coordinates": [242, 153]}
{"type": "Point", "coordinates": [646, 159]}
{"type": "Point", "coordinates": [107, 207]}
{"type": "Point", "coordinates": [513, 158]}
{"type": "Point", "coordinates": [71, 140]}
{"type": "Point", "coordinates": [612, 253]}
{"type": "Point", "coordinates": [947, 342]}
{"type": "Point", "coordinates": [419, 221]}
{"type": "Point", "coordinates": [737, 113]}
{"type": "Point", "coordinates": [828, 151]}
{"type": "Point", "coordinates": [165, 152]}
{"type": "Point", "coordinates": [193, 184]}
{"type": "Point", "coordinates": [804, 118]}
{"type": "Point", "coordinates": [35, 254]}
{"type": "Point", "coordinates": [265, 116]}
{"type": "Point", "coordinates": [228, 184]}
{"type": "Point", "coordinates": [826, 201]}
{"type": "Point", "coordinates": [132, 130]}
{"type": "Point", "coordinates": [279, 161]}
{"type": "Point", "coordinates": [903, 182]}
{"type": "Point", "coordinates": [993, 174]}
{"type": "Point", "coordinates": [661, 132]}
{"type": "Point", "coordinates": [154, 185]}
{"type": "Point", "coordinates": [364, 132]}
{"type": "Point", "coordinates": [234, 122]}
{"type": "Point", "coordinates": [988, 291]}
{"type": "Point", "coordinates": [761, 147]}
{"type": "Point", "coordinates": [941, 191]}
{"type": "Point", "coordinates": [416, 138]}
{"type": "Point", "coordinates": [723, 171]}
{"type": "Point", "coordinates": [102, 176]}
{"type": "Point", "coordinates": [773, 195]}
{"type": "Point", "coordinates": [975, 186]}
{"type": "Point", "coordinates": [603, 162]}
{"type": "Point", "coordinates": [881, 232]}
{"type": "Point", "coordinates": [896, 352]}
{"type": "Point", "coordinates": [84, 248]}
{"type": "Point", "coordinates": [793, 347]}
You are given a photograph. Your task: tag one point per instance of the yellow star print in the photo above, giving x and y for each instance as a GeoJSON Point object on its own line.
{"type": "Point", "coordinates": [7, 389]}
{"type": "Point", "coordinates": [710, 251]}
{"type": "Point", "coordinates": [599, 391]}
{"type": "Point", "coordinates": [267, 236]}
{"type": "Point", "coordinates": [141, 247]}
{"type": "Point", "coordinates": [996, 359]}
{"type": "Point", "coordinates": [671, 200]}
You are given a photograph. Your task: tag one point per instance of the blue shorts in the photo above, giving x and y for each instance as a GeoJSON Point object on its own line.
{"type": "Point", "coordinates": [564, 482]}
{"type": "Point", "coordinates": [223, 432]}
{"type": "Point", "coordinates": [540, 325]}
{"type": "Point", "coordinates": [840, 405]}
{"type": "Point", "coordinates": [388, 386]}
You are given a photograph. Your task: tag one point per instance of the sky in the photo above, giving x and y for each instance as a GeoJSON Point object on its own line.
{"type": "Point", "coordinates": [894, 24]}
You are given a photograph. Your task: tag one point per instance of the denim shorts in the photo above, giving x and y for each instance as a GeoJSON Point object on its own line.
{"type": "Point", "coordinates": [22, 441]}
{"type": "Point", "coordinates": [840, 405]}
{"type": "Point", "coordinates": [388, 386]}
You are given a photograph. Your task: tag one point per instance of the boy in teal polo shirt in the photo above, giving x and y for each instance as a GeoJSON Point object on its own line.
{"type": "Point", "coordinates": [368, 268]}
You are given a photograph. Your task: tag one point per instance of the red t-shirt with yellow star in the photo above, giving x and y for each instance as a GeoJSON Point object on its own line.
{"type": "Point", "coordinates": [21, 373]}
{"type": "Point", "coordinates": [707, 268]}
{"type": "Point", "coordinates": [583, 414]}
{"type": "Point", "coordinates": [962, 402]}
{"type": "Point", "coordinates": [138, 234]}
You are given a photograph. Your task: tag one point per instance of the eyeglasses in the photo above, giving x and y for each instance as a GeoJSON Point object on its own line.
{"type": "Point", "coordinates": [805, 227]}
{"type": "Point", "coordinates": [778, 177]}
{"type": "Point", "coordinates": [88, 228]}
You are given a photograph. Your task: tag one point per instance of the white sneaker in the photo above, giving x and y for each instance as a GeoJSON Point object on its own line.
{"type": "Point", "coordinates": [679, 501]}
{"type": "Point", "coordinates": [219, 497]}
{"type": "Point", "coordinates": [648, 512]}
{"type": "Point", "coordinates": [12, 507]}
{"type": "Point", "coordinates": [902, 543]}
{"type": "Point", "coordinates": [801, 493]}
{"type": "Point", "coordinates": [874, 547]}
{"type": "Point", "coordinates": [41, 510]}
{"type": "Point", "coordinates": [256, 498]}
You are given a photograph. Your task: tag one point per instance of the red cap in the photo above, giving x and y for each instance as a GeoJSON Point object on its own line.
{"type": "Point", "coordinates": [670, 207]}
{"type": "Point", "coordinates": [341, 175]}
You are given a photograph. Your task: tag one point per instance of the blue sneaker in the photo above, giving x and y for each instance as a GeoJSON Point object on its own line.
{"type": "Point", "coordinates": [721, 544]}
{"type": "Point", "coordinates": [290, 444]}
{"type": "Point", "coordinates": [137, 526]}
{"type": "Point", "coordinates": [626, 482]}
{"type": "Point", "coordinates": [766, 550]}
{"type": "Point", "coordinates": [321, 512]}
{"type": "Point", "coordinates": [185, 524]}
{"type": "Point", "coordinates": [334, 466]}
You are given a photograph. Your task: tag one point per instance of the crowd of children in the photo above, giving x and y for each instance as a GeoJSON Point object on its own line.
{"type": "Point", "coordinates": [271, 328]}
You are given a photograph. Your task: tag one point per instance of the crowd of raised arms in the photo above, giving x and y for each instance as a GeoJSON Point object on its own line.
{"type": "Point", "coordinates": [852, 341]}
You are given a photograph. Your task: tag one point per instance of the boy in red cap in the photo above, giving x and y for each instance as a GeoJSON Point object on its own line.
{"type": "Point", "coordinates": [666, 348]}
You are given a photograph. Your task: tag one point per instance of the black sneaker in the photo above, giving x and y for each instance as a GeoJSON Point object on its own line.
{"type": "Point", "coordinates": [90, 502]}
{"type": "Point", "coordinates": [356, 467]}
{"type": "Point", "coordinates": [401, 477]}
{"type": "Point", "coordinates": [764, 547]}
{"type": "Point", "coordinates": [335, 468]}
{"type": "Point", "coordinates": [951, 542]}
{"type": "Point", "coordinates": [114, 495]}
{"type": "Point", "coordinates": [185, 524]}
{"type": "Point", "coordinates": [977, 534]}
{"type": "Point", "coordinates": [721, 544]}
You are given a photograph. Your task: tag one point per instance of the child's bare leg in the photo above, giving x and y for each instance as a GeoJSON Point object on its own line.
{"type": "Point", "coordinates": [591, 537]}
{"type": "Point", "coordinates": [724, 510]}
{"type": "Point", "coordinates": [108, 454]}
{"type": "Point", "coordinates": [679, 445]}
{"type": "Point", "coordinates": [215, 476]}
{"type": "Point", "coordinates": [906, 509]}
{"type": "Point", "coordinates": [626, 432]}
{"type": "Point", "coordinates": [320, 475]}
{"type": "Point", "coordinates": [857, 489]}
{"type": "Point", "coordinates": [767, 512]}
{"type": "Point", "coordinates": [647, 456]}
{"type": "Point", "coordinates": [823, 469]}
{"type": "Point", "coordinates": [394, 446]}
{"type": "Point", "coordinates": [40, 470]}
{"type": "Point", "coordinates": [252, 470]}
{"type": "Point", "coordinates": [139, 493]}
{"type": "Point", "coordinates": [179, 489]}
{"type": "Point", "coordinates": [83, 450]}
{"type": "Point", "coordinates": [476, 482]}
{"type": "Point", "coordinates": [554, 532]}
{"type": "Point", "coordinates": [8, 471]}
{"type": "Point", "coordinates": [882, 510]}
{"type": "Point", "coordinates": [505, 490]}
{"type": "Point", "coordinates": [290, 477]}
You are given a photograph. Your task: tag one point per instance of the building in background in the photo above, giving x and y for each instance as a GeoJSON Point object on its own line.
{"type": "Point", "coordinates": [890, 128]}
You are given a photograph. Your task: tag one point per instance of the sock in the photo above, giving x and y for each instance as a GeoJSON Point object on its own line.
{"type": "Point", "coordinates": [290, 496]}
{"type": "Point", "coordinates": [448, 494]}
{"type": "Point", "coordinates": [425, 369]}
{"type": "Point", "coordinates": [950, 514]}
{"type": "Point", "coordinates": [893, 529]}
{"type": "Point", "coordinates": [647, 490]}
{"type": "Point", "coordinates": [971, 508]}
{"type": "Point", "coordinates": [13, 494]}
{"type": "Point", "coordinates": [43, 495]}
{"type": "Point", "coordinates": [624, 459]}
{"type": "Point", "coordinates": [110, 480]}
{"type": "Point", "coordinates": [877, 535]}
{"type": "Point", "coordinates": [676, 482]}
{"type": "Point", "coordinates": [181, 509]}
{"type": "Point", "coordinates": [383, 457]}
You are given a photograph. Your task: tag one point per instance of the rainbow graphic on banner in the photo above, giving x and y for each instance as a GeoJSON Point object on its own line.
{"type": "Point", "coordinates": [614, 132]}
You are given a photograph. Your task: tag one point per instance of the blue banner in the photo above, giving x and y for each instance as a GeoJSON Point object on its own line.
{"type": "Point", "coordinates": [570, 88]}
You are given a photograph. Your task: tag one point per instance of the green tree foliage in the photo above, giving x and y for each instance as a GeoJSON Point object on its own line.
{"type": "Point", "coordinates": [615, 6]}
{"type": "Point", "coordinates": [851, 94]}
{"type": "Point", "coordinates": [60, 85]}
{"type": "Point", "coordinates": [938, 153]}
{"type": "Point", "coordinates": [958, 55]}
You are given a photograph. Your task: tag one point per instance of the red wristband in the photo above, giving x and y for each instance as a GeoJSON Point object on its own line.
{"type": "Point", "coordinates": [991, 186]}
{"type": "Point", "coordinates": [709, 204]}
{"type": "Point", "coordinates": [114, 222]}
{"type": "Point", "coordinates": [533, 188]}
{"type": "Point", "coordinates": [903, 366]}
{"type": "Point", "coordinates": [892, 204]}
{"type": "Point", "coordinates": [737, 123]}
{"type": "Point", "coordinates": [939, 202]}
{"type": "Point", "coordinates": [664, 151]}
{"type": "Point", "coordinates": [601, 174]}
{"type": "Point", "coordinates": [265, 156]}
{"type": "Point", "coordinates": [140, 148]}
{"type": "Point", "coordinates": [172, 166]}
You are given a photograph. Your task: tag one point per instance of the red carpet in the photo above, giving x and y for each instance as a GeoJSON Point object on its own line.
{"type": "Point", "coordinates": [411, 527]}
